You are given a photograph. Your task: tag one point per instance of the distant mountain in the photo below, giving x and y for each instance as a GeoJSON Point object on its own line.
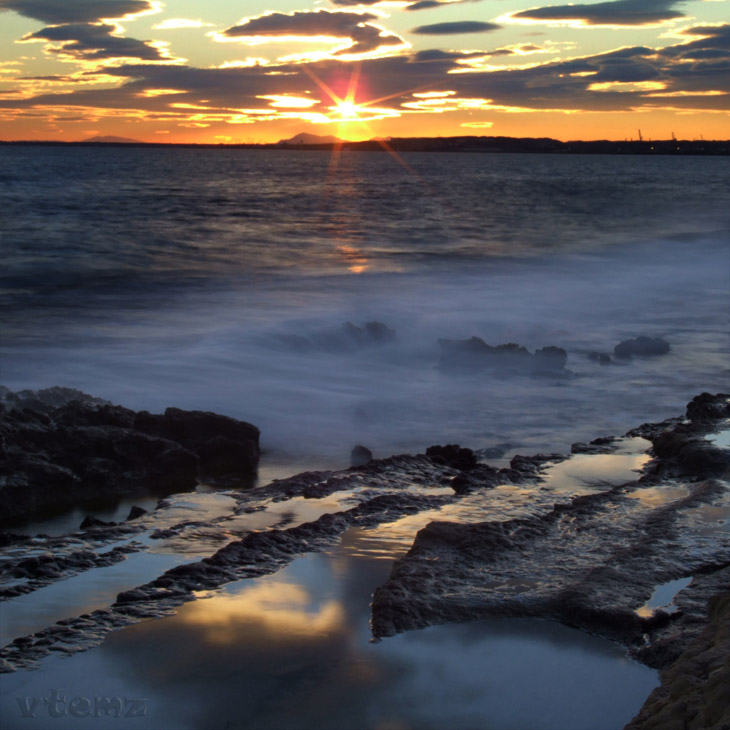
{"type": "Point", "coordinates": [305, 138]}
{"type": "Point", "coordinates": [112, 140]}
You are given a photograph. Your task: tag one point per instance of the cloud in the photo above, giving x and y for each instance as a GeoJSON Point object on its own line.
{"type": "Point", "coordinates": [464, 26]}
{"type": "Point", "coordinates": [617, 12]}
{"type": "Point", "coordinates": [94, 42]}
{"type": "Point", "coordinates": [77, 11]}
{"type": "Point", "coordinates": [428, 4]}
{"type": "Point", "coordinates": [300, 24]}
{"type": "Point", "coordinates": [692, 74]}
{"type": "Point", "coordinates": [304, 25]}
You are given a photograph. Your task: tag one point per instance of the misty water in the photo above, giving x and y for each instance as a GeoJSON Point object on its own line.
{"type": "Point", "coordinates": [220, 280]}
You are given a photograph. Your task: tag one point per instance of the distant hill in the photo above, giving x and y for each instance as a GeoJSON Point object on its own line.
{"type": "Point", "coordinates": [112, 140]}
{"type": "Point", "coordinates": [305, 138]}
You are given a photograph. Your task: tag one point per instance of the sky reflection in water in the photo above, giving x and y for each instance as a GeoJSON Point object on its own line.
{"type": "Point", "coordinates": [292, 650]}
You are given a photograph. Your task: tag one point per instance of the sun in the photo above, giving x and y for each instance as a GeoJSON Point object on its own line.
{"type": "Point", "coordinates": [347, 111]}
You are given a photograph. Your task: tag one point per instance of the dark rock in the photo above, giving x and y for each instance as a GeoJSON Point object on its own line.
{"type": "Point", "coordinates": [348, 338]}
{"type": "Point", "coordinates": [44, 400]}
{"type": "Point", "coordinates": [360, 455]}
{"type": "Point", "coordinates": [83, 449]}
{"type": "Point", "coordinates": [223, 445]}
{"type": "Point", "coordinates": [641, 346]}
{"type": "Point", "coordinates": [602, 358]}
{"type": "Point", "coordinates": [549, 360]}
{"type": "Point", "coordinates": [89, 522]}
{"type": "Point", "coordinates": [475, 356]}
{"type": "Point", "coordinates": [135, 512]}
{"type": "Point", "coordinates": [591, 562]}
{"type": "Point", "coordinates": [695, 689]}
{"type": "Point", "coordinates": [452, 455]}
{"type": "Point", "coordinates": [481, 476]}
{"type": "Point", "coordinates": [603, 445]}
{"type": "Point", "coordinates": [708, 407]}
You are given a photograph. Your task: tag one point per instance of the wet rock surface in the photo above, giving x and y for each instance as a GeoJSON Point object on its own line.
{"type": "Point", "coordinates": [590, 558]}
{"type": "Point", "coordinates": [695, 689]}
{"type": "Point", "coordinates": [592, 561]}
{"type": "Point", "coordinates": [377, 492]}
{"type": "Point", "coordinates": [59, 447]}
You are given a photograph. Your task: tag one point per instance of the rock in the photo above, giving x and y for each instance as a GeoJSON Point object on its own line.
{"type": "Point", "coordinates": [345, 339]}
{"type": "Point", "coordinates": [360, 455]}
{"type": "Point", "coordinates": [492, 452]}
{"type": "Point", "coordinates": [695, 689]}
{"type": "Point", "coordinates": [452, 455]}
{"type": "Point", "coordinates": [602, 358]}
{"type": "Point", "coordinates": [135, 512]}
{"type": "Point", "coordinates": [60, 456]}
{"type": "Point", "coordinates": [475, 356]}
{"type": "Point", "coordinates": [223, 445]}
{"type": "Point", "coordinates": [641, 346]}
{"type": "Point", "coordinates": [602, 445]}
{"type": "Point", "coordinates": [590, 562]}
{"type": "Point", "coordinates": [90, 522]}
{"type": "Point", "coordinates": [47, 399]}
{"type": "Point", "coordinates": [549, 360]}
{"type": "Point", "coordinates": [707, 407]}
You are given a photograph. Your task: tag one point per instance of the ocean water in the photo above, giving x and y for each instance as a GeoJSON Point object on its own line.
{"type": "Point", "coordinates": [221, 279]}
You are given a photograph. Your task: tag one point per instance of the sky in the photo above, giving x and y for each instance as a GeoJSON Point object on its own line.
{"type": "Point", "coordinates": [242, 71]}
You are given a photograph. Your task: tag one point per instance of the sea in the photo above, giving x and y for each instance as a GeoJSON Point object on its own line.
{"type": "Point", "coordinates": [220, 279]}
{"type": "Point", "coordinates": [247, 282]}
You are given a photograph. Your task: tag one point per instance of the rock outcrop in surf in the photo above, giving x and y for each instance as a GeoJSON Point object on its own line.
{"type": "Point", "coordinates": [60, 447]}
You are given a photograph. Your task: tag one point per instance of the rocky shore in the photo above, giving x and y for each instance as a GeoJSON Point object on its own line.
{"type": "Point", "coordinates": [60, 447]}
{"type": "Point", "coordinates": [592, 557]}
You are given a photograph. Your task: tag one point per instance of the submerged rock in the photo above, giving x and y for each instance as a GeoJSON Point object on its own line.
{"type": "Point", "coordinates": [602, 358]}
{"type": "Point", "coordinates": [641, 346]}
{"type": "Point", "coordinates": [474, 355]}
{"type": "Point", "coordinates": [347, 338]}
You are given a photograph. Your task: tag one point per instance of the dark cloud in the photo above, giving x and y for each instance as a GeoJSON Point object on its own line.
{"type": "Point", "coordinates": [464, 26]}
{"type": "Point", "coordinates": [618, 12]}
{"type": "Point", "coordinates": [428, 4]}
{"type": "Point", "coordinates": [87, 42]}
{"type": "Point", "coordinates": [336, 24]}
{"type": "Point", "coordinates": [74, 11]}
{"type": "Point", "coordinates": [418, 5]}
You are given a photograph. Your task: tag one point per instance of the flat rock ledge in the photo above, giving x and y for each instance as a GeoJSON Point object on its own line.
{"type": "Point", "coordinates": [60, 447]}
{"type": "Point", "coordinates": [381, 491]}
{"type": "Point", "coordinates": [594, 561]}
